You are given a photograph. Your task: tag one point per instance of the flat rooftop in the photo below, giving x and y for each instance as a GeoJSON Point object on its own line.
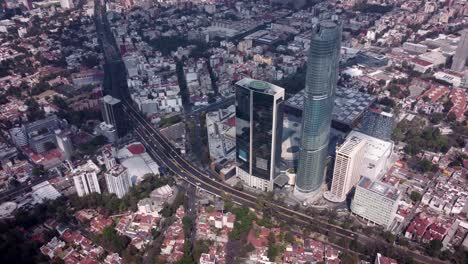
{"type": "Point", "coordinates": [379, 188]}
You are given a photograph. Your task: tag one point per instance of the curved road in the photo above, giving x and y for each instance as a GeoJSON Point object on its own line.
{"type": "Point", "coordinates": [165, 154]}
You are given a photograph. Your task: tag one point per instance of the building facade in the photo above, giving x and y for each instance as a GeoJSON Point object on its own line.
{"type": "Point", "coordinates": [461, 54]}
{"type": "Point", "coordinates": [379, 124]}
{"type": "Point", "coordinates": [259, 123]}
{"type": "Point", "coordinates": [321, 80]}
{"type": "Point", "coordinates": [346, 172]}
{"type": "Point", "coordinates": [85, 178]}
{"type": "Point", "coordinates": [113, 114]}
{"type": "Point", "coordinates": [118, 181]}
{"type": "Point", "coordinates": [86, 182]}
{"type": "Point", "coordinates": [375, 201]}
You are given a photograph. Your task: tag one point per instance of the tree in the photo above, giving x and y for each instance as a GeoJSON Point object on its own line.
{"type": "Point", "coordinates": [434, 247]}
{"type": "Point", "coordinates": [38, 171]}
{"type": "Point", "coordinates": [188, 224]}
{"type": "Point", "coordinates": [112, 241]}
{"type": "Point", "coordinates": [415, 196]}
{"type": "Point", "coordinates": [451, 117]}
{"type": "Point", "coordinates": [436, 118]}
{"type": "Point", "coordinates": [425, 165]}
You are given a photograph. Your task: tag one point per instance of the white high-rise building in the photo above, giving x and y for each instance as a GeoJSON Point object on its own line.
{"type": "Point", "coordinates": [375, 201]}
{"type": "Point", "coordinates": [64, 143]}
{"type": "Point", "coordinates": [118, 180]}
{"type": "Point", "coordinates": [347, 171]}
{"type": "Point", "coordinates": [109, 157]}
{"type": "Point", "coordinates": [377, 153]}
{"type": "Point", "coordinates": [85, 179]}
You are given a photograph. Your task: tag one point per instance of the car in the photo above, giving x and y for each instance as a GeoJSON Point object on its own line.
{"type": "Point", "coordinates": [198, 183]}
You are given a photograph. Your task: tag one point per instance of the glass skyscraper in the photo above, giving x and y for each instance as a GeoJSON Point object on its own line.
{"type": "Point", "coordinates": [259, 124]}
{"type": "Point", "coordinates": [321, 79]}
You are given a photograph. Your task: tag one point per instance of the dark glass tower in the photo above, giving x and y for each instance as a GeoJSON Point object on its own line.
{"type": "Point", "coordinates": [322, 72]}
{"type": "Point", "coordinates": [113, 114]}
{"type": "Point", "coordinates": [259, 123]}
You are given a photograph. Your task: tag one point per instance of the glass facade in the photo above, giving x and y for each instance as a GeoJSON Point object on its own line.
{"type": "Point", "coordinates": [322, 73]}
{"type": "Point", "coordinates": [259, 123]}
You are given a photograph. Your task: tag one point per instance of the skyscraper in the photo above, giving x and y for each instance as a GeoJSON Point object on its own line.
{"type": "Point", "coordinates": [112, 113]}
{"type": "Point", "coordinates": [322, 71]}
{"type": "Point", "coordinates": [259, 125]}
{"type": "Point", "coordinates": [461, 55]}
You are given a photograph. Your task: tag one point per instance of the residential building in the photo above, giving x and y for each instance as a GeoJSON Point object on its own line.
{"type": "Point", "coordinates": [375, 201]}
{"type": "Point", "coordinates": [259, 123]}
{"type": "Point", "coordinates": [118, 180]}
{"type": "Point", "coordinates": [85, 179]}
{"type": "Point", "coordinates": [322, 71]}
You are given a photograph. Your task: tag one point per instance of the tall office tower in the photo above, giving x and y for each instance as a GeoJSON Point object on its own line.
{"type": "Point", "coordinates": [347, 172]}
{"type": "Point", "coordinates": [379, 124]}
{"type": "Point", "coordinates": [375, 201]}
{"type": "Point", "coordinates": [322, 72]}
{"type": "Point", "coordinates": [461, 55]}
{"type": "Point", "coordinates": [112, 113]}
{"type": "Point", "coordinates": [118, 181]}
{"type": "Point", "coordinates": [259, 126]}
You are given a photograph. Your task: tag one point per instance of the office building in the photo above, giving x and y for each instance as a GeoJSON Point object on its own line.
{"type": "Point", "coordinates": [64, 143]}
{"type": "Point", "coordinates": [118, 180]}
{"type": "Point", "coordinates": [346, 172]}
{"type": "Point", "coordinates": [461, 54]}
{"type": "Point", "coordinates": [259, 123]}
{"type": "Point", "coordinates": [322, 71]}
{"type": "Point", "coordinates": [113, 114]}
{"type": "Point", "coordinates": [38, 134]}
{"type": "Point", "coordinates": [375, 201]}
{"type": "Point", "coordinates": [376, 157]}
{"type": "Point", "coordinates": [108, 154]}
{"type": "Point", "coordinates": [85, 179]}
{"type": "Point", "coordinates": [379, 124]}
{"type": "Point", "coordinates": [18, 135]}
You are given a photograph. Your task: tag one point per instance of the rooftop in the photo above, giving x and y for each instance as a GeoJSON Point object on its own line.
{"type": "Point", "coordinates": [379, 188]}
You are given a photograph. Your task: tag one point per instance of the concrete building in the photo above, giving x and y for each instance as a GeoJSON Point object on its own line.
{"type": "Point", "coordinates": [375, 201]}
{"type": "Point", "coordinates": [220, 126]}
{"type": "Point", "coordinates": [113, 114]}
{"type": "Point", "coordinates": [118, 181]}
{"type": "Point", "coordinates": [346, 172]}
{"type": "Point", "coordinates": [322, 73]}
{"type": "Point", "coordinates": [64, 143]}
{"type": "Point", "coordinates": [461, 54]}
{"type": "Point", "coordinates": [259, 123]}
{"type": "Point", "coordinates": [85, 179]}
{"type": "Point", "coordinates": [376, 155]}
